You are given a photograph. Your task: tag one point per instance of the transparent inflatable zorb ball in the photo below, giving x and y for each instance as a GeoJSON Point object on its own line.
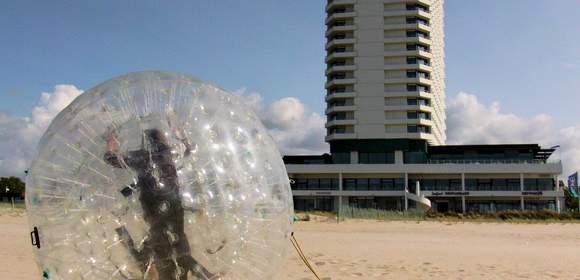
{"type": "Point", "coordinates": [158, 176]}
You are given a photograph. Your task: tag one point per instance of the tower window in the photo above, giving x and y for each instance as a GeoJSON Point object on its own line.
{"type": "Point", "coordinates": [338, 89]}
{"type": "Point", "coordinates": [411, 20]}
{"type": "Point", "coordinates": [420, 47]}
{"type": "Point", "coordinates": [339, 36]}
{"type": "Point", "coordinates": [413, 115]}
{"type": "Point", "coordinates": [418, 101]}
{"type": "Point", "coordinates": [417, 7]}
{"type": "Point", "coordinates": [417, 33]}
{"type": "Point", "coordinates": [418, 128]}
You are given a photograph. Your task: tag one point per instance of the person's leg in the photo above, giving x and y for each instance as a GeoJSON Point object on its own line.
{"type": "Point", "coordinates": [140, 256]}
{"type": "Point", "coordinates": [198, 270]}
{"type": "Point", "coordinates": [167, 269]}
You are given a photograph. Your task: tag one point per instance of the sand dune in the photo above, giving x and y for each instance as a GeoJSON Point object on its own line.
{"type": "Point", "coordinates": [389, 250]}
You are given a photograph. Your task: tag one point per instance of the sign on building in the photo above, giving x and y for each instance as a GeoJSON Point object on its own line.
{"type": "Point", "coordinates": [573, 184]}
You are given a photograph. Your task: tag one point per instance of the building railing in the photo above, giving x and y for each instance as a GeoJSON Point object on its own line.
{"type": "Point", "coordinates": [427, 189]}
{"type": "Point", "coordinates": [470, 161]}
{"type": "Point", "coordinates": [487, 161]}
{"type": "Point", "coordinates": [418, 35]}
{"type": "Point", "coordinates": [406, 10]}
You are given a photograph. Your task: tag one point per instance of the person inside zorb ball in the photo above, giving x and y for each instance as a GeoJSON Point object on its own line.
{"type": "Point", "coordinates": [156, 175]}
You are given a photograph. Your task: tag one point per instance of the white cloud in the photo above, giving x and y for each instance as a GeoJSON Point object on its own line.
{"type": "Point", "coordinates": [472, 122]}
{"type": "Point", "coordinates": [252, 99]}
{"type": "Point", "coordinates": [299, 130]}
{"type": "Point", "coordinates": [296, 129]}
{"type": "Point", "coordinates": [19, 136]}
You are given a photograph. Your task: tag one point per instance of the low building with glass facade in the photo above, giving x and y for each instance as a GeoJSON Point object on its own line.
{"type": "Point", "coordinates": [467, 178]}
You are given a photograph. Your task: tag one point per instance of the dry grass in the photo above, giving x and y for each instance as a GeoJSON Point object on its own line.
{"type": "Point", "coordinates": [6, 208]}
{"type": "Point", "coordinates": [543, 216]}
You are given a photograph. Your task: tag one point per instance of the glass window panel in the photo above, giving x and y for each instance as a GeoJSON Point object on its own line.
{"type": "Point", "coordinates": [341, 158]}
{"type": "Point", "coordinates": [388, 184]}
{"type": "Point", "coordinates": [471, 184]}
{"type": "Point", "coordinates": [374, 184]}
{"type": "Point", "coordinates": [349, 184]}
{"type": "Point", "coordinates": [325, 184]}
{"type": "Point", "coordinates": [363, 158]}
{"type": "Point", "coordinates": [312, 184]}
{"type": "Point", "coordinates": [376, 158]}
{"type": "Point", "coordinates": [545, 184]}
{"type": "Point", "coordinates": [362, 184]}
{"type": "Point", "coordinates": [400, 184]}
{"type": "Point", "coordinates": [335, 185]}
{"type": "Point", "coordinates": [301, 184]}
{"type": "Point", "coordinates": [390, 158]}
{"type": "Point", "coordinates": [455, 184]}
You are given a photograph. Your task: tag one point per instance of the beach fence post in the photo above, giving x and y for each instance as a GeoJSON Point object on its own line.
{"type": "Point", "coordinates": [12, 203]}
{"type": "Point", "coordinates": [339, 197]}
{"type": "Point", "coordinates": [339, 208]}
{"type": "Point", "coordinates": [406, 191]}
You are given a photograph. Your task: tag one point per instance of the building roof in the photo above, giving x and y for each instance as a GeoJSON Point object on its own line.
{"type": "Point", "coordinates": [308, 159]}
{"type": "Point", "coordinates": [536, 150]}
{"type": "Point", "coordinates": [531, 151]}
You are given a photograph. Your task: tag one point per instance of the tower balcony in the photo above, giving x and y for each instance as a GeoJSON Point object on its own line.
{"type": "Point", "coordinates": [340, 122]}
{"type": "Point", "coordinates": [335, 3]}
{"type": "Point", "coordinates": [341, 109]}
{"type": "Point", "coordinates": [336, 16]}
{"type": "Point", "coordinates": [350, 67]}
{"type": "Point", "coordinates": [408, 121]}
{"type": "Point", "coordinates": [333, 29]}
{"type": "Point", "coordinates": [338, 95]}
{"type": "Point", "coordinates": [422, 94]}
{"type": "Point", "coordinates": [404, 12]}
{"type": "Point", "coordinates": [408, 67]}
{"type": "Point", "coordinates": [405, 39]}
{"type": "Point", "coordinates": [340, 136]}
{"type": "Point", "coordinates": [416, 80]}
{"type": "Point", "coordinates": [405, 107]}
{"type": "Point", "coordinates": [417, 53]}
{"type": "Point", "coordinates": [410, 135]}
{"type": "Point", "coordinates": [340, 55]}
{"type": "Point", "coordinates": [334, 42]}
{"type": "Point", "coordinates": [424, 2]}
{"type": "Point", "coordinates": [408, 26]}
{"type": "Point", "coordinates": [340, 82]}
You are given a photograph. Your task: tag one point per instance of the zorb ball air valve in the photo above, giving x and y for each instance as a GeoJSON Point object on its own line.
{"type": "Point", "coordinates": [156, 175]}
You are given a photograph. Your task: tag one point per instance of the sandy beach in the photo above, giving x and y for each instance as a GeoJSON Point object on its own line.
{"type": "Point", "coordinates": [389, 250]}
{"type": "Point", "coordinates": [437, 250]}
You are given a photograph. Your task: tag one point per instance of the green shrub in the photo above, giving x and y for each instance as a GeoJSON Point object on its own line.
{"type": "Point", "coordinates": [510, 215]}
{"type": "Point", "coordinates": [378, 214]}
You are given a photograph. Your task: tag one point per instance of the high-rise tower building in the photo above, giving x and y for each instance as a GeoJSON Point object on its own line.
{"type": "Point", "coordinates": [386, 125]}
{"type": "Point", "coordinates": [385, 71]}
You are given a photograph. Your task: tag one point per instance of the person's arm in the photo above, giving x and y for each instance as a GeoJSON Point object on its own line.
{"type": "Point", "coordinates": [110, 156]}
{"type": "Point", "coordinates": [180, 135]}
{"type": "Point", "coordinates": [187, 148]}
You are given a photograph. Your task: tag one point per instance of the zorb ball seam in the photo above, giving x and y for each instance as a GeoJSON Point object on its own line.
{"type": "Point", "coordinates": [156, 175]}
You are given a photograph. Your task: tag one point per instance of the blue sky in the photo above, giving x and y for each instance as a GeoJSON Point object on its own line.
{"type": "Point", "coordinates": [521, 53]}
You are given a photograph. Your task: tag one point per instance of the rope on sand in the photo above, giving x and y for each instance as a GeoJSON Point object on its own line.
{"type": "Point", "coordinates": [301, 254]}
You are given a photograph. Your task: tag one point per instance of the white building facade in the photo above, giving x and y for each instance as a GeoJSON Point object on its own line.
{"type": "Point", "coordinates": [385, 70]}
{"type": "Point", "coordinates": [385, 94]}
